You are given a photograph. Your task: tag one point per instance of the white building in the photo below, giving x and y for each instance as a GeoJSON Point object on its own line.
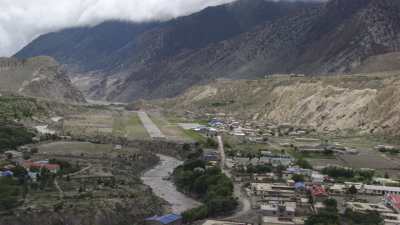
{"type": "Point", "coordinates": [367, 207]}
{"type": "Point", "coordinates": [380, 190]}
{"type": "Point", "coordinates": [391, 218]}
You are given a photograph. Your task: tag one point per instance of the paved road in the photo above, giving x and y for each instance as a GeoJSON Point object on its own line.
{"type": "Point", "coordinates": [245, 205]}
{"type": "Point", "coordinates": [151, 128]}
{"type": "Point", "coordinates": [156, 179]}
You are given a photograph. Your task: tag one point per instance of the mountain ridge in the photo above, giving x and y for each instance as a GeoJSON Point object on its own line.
{"type": "Point", "coordinates": [244, 39]}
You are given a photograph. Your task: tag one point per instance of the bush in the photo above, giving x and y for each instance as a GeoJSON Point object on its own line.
{"type": "Point", "coordinates": [211, 143]}
{"type": "Point", "coordinates": [198, 213]}
{"type": "Point", "coordinates": [9, 193]}
{"type": "Point", "coordinates": [323, 218]}
{"type": "Point", "coordinates": [327, 216]}
{"type": "Point", "coordinates": [349, 174]}
{"type": "Point", "coordinates": [298, 178]}
{"type": "Point", "coordinates": [304, 164]}
{"type": "Point", "coordinates": [356, 218]}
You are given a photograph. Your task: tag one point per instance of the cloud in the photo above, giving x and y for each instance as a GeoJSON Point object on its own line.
{"type": "Point", "coordinates": [23, 20]}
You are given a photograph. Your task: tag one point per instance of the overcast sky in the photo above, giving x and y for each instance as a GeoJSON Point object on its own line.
{"type": "Point", "coordinates": [23, 20]}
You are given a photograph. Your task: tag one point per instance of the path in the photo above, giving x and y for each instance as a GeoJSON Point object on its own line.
{"type": "Point", "coordinates": [156, 178]}
{"type": "Point", "coordinates": [151, 128]}
{"type": "Point", "coordinates": [61, 193]}
{"type": "Point", "coordinates": [80, 171]}
{"type": "Point", "coordinates": [245, 205]}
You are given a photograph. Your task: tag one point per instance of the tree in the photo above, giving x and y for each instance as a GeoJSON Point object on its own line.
{"type": "Point", "coordinates": [304, 164]}
{"type": "Point", "coordinates": [9, 192]}
{"type": "Point", "coordinates": [387, 175]}
{"type": "Point", "coordinates": [331, 204]}
{"type": "Point", "coordinates": [352, 190]}
{"type": "Point", "coordinates": [298, 178]}
{"type": "Point", "coordinates": [211, 143]}
{"type": "Point", "coordinates": [356, 218]}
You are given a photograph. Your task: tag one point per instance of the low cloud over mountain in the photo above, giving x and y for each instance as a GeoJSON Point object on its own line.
{"type": "Point", "coordinates": [21, 20]}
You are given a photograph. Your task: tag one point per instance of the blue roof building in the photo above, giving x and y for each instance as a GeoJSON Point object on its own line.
{"type": "Point", "coordinates": [7, 173]}
{"type": "Point", "coordinates": [169, 219]}
{"type": "Point", "coordinates": [300, 186]}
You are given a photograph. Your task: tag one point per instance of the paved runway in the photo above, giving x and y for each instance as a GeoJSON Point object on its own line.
{"type": "Point", "coordinates": [151, 128]}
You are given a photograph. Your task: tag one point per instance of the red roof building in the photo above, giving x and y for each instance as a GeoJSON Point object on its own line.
{"type": "Point", "coordinates": [393, 201]}
{"type": "Point", "coordinates": [54, 168]}
{"type": "Point", "coordinates": [318, 191]}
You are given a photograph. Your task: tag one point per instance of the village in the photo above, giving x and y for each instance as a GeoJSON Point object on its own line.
{"type": "Point", "coordinates": [284, 188]}
{"type": "Point", "coordinates": [282, 174]}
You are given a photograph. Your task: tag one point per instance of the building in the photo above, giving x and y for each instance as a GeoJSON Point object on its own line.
{"type": "Point", "coordinates": [393, 201]}
{"type": "Point", "coordinates": [29, 165]}
{"type": "Point", "coordinates": [169, 219]}
{"type": "Point", "coordinates": [380, 190]}
{"type": "Point", "coordinates": [338, 188]}
{"type": "Point", "coordinates": [277, 191]}
{"type": "Point", "coordinates": [308, 149]}
{"type": "Point", "coordinates": [269, 220]}
{"type": "Point", "coordinates": [281, 209]}
{"type": "Point", "coordinates": [223, 222]}
{"type": "Point", "coordinates": [6, 173]}
{"type": "Point", "coordinates": [13, 154]}
{"type": "Point", "coordinates": [299, 171]}
{"type": "Point", "coordinates": [118, 147]}
{"type": "Point", "coordinates": [391, 218]}
{"type": "Point", "coordinates": [265, 177]}
{"type": "Point", "coordinates": [318, 193]}
{"type": "Point", "coordinates": [276, 160]}
{"type": "Point", "coordinates": [385, 181]}
{"type": "Point", "coordinates": [317, 178]}
{"type": "Point", "coordinates": [211, 155]}
{"type": "Point", "coordinates": [367, 207]}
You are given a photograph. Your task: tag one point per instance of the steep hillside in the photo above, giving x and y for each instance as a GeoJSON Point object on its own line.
{"type": "Point", "coordinates": [39, 77]}
{"type": "Point", "coordinates": [123, 61]}
{"type": "Point", "coordinates": [367, 102]}
{"type": "Point", "coordinates": [245, 39]}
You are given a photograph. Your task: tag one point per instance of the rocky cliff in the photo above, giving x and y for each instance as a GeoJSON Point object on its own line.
{"type": "Point", "coordinates": [40, 77]}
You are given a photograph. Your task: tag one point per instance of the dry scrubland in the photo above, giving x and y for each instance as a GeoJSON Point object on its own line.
{"type": "Point", "coordinates": [369, 103]}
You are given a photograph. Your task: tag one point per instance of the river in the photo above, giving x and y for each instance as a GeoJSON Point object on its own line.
{"type": "Point", "coordinates": [155, 178]}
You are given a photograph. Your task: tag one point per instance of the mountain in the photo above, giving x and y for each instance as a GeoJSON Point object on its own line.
{"type": "Point", "coordinates": [120, 61]}
{"type": "Point", "coordinates": [40, 77]}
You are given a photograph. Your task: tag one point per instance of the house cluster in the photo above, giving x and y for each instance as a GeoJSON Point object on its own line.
{"type": "Point", "coordinates": [266, 157]}
{"type": "Point", "coordinates": [261, 132]}
{"type": "Point", "coordinates": [284, 199]}
{"type": "Point", "coordinates": [253, 131]}
{"type": "Point", "coordinates": [211, 156]}
{"type": "Point", "coordinates": [16, 158]}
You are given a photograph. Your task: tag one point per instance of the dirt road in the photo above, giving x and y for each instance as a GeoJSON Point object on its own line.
{"type": "Point", "coordinates": [245, 205]}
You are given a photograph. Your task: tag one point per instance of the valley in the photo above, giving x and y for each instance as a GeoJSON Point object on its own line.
{"type": "Point", "coordinates": [246, 112]}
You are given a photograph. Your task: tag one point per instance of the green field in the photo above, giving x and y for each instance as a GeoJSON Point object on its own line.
{"type": "Point", "coordinates": [115, 123]}
{"type": "Point", "coordinates": [134, 127]}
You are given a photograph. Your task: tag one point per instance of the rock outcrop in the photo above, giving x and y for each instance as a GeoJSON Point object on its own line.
{"type": "Point", "coordinates": [40, 77]}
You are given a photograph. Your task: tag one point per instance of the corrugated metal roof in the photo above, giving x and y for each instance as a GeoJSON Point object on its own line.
{"type": "Point", "coordinates": [166, 219]}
